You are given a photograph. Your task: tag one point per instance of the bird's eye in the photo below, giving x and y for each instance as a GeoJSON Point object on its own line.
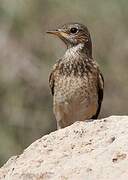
{"type": "Point", "coordinates": [73, 30]}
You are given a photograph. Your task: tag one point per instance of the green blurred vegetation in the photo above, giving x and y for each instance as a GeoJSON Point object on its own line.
{"type": "Point", "coordinates": [27, 54]}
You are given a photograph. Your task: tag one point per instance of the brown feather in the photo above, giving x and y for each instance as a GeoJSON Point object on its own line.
{"type": "Point", "coordinates": [76, 82]}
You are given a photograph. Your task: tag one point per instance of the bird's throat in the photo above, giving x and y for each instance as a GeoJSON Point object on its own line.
{"type": "Point", "coordinates": [72, 52]}
{"type": "Point", "coordinates": [74, 62]}
{"type": "Point", "coordinates": [77, 51]}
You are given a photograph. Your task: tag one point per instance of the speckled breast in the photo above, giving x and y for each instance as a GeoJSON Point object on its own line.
{"type": "Point", "coordinates": [76, 97]}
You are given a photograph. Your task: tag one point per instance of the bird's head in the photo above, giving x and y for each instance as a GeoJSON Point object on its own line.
{"type": "Point", "coordinates": [73, 34]}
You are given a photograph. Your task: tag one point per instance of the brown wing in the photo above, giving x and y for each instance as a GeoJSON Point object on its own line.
{"type": "Point", "coordinates": [100, 94]}
{"type": "Point", "coordinates": [51, 82]}
{"type": "Point", "coordinates": [52, 77]}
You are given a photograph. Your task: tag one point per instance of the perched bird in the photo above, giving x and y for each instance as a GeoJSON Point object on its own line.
{"type": "Point", "coordinates": [76, 81]}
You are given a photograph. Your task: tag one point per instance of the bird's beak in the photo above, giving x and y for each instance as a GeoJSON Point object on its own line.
{"type": "Point", "coordinates": [59, 32]}
{"type": "Point", "coordinates": [55, 32]}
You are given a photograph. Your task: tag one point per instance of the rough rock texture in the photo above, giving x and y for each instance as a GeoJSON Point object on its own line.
{"type": "Point", "coordinates": [93, 150]}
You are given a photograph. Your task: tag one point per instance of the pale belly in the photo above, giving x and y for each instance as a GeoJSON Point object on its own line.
{"type": "Point", "coordinates": [75, 99]}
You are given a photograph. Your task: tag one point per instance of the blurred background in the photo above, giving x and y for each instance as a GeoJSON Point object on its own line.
{"type": "Point", "coordinates": [27, 55]}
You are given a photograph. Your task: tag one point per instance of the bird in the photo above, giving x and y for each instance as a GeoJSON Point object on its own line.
{"type": "Point", "coordinates": [76, 82]}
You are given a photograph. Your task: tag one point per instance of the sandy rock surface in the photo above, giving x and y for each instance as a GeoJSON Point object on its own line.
{"type": "Point", "coordinates": [93, 150]}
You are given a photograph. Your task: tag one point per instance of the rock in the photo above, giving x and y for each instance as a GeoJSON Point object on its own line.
{"type": "Point", "coordinates": [93, 150]}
